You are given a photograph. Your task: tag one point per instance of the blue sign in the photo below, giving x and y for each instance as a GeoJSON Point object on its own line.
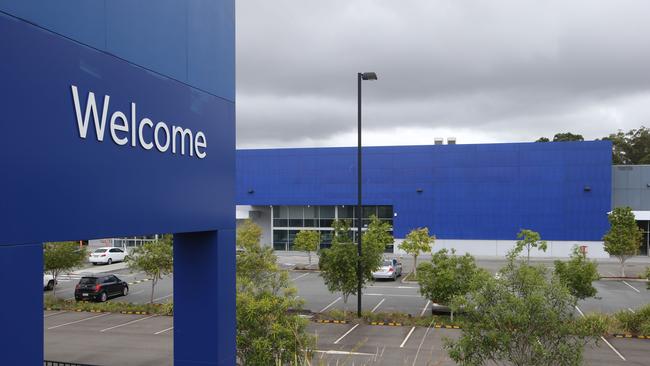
{"type": "Point", "coordinates": [93, 146]}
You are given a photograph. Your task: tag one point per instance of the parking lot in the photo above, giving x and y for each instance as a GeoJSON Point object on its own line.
{"type": "Point", "coordinates": [115, 339]}
{"type": "Point", "coordinates": [395, 296]}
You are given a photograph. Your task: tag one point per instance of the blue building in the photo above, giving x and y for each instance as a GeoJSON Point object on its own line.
{"type": "Point", "coordinates": [474, 198]}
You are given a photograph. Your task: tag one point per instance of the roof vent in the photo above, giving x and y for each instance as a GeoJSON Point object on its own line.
{"type": "Point", "coordinates": [438, 140]}
{"type": "Point", "coordinates": [451, 141]}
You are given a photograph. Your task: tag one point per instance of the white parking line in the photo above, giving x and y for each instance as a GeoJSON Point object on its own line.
{"type": "Point", "coordinates": [396, 295]}
{"type": "Point", "coordinates": [163, 297]}
{"type": "Point", "coordinates": [335, 352]}
{"type": "Point", "coordinates": [346, 333]}
{"type": "Point", "coordinates": [422, 342]}
{"type": "Point", "coordinates": [613, 349]}
{"type": "Point", "coordinates": [580, 311]}
{"type": "Point", "coordinates": [611, 274]}
{"type": "Point", "coordinates": [631, 311]}
{"type": "Point", "coordinates": [301, 276]}
{"type": "Point", "coordinates": [131, 322]}
{"type": "Point", "coordinates": [632, 287]}
{"type": "Point", "coordinates": [425, 307]}
{"type": "Point", "coordinates": [603, 338]}
{"type": "Point", "coordinates": [377, 306]}
{"type": "Point", "coordinates": [77, 321]}
{"type": "Point", "coordinates": [332, 303]}
{"type": "Point", "coordinates": [407, 338]}
{"type": "Point", "coordinates": [164, 330]}
{"type": "Point", "coordinates": [49, 315]}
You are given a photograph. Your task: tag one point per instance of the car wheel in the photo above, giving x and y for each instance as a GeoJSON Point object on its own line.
{"type": "Point", "coordinates": [110, 261]}
{"type": "Point", "coordinates": [125, 291]}
{"type": "Point", "coordinates": [50, 285]}
{"type": "Point", "coordinates": [103, 297]}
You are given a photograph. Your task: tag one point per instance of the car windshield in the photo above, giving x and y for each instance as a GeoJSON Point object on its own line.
{"type": "Point", "coordinates": [387, 263]}
{"type": "Point", "coordinates": [100, 251]}
{"type": "Point", "coordinates": [88, 280]}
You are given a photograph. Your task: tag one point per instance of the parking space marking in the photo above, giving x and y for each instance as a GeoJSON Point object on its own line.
{"type": "Point", "coordinates": [377, 306]}
{"type": "Point", "coordinates": [580, 311]}
{"type": "Point", "coordinates": [163, 297]}
{"type": "Point", "coordinates": [77, 321]}
{"type": "Point", "coordinates": [613, 349]}
{"type": "Point", "coordinates": [346, 333]}
{"type": "Point", "coordinates": [631, 311]}
{"type": "Point", "coordinates": [131, 322]}
{"type": "Point", "coordinates": [164, 330]}
{"type": "Point", "coordinates": [425, 307]}
{"type": "Point", "coordinates": [632, 287]}
{"type": "Point", "coordinates": [415, 359]}
{"type": "Point", "coordinates": [407, 338]}
{"type": "Point", "coordinates": [349, 353]}
{"type": "Point", "coordinates": [396, 295]}
{"type": "Point", "coordinates": [49, 315]}
{"type": "Point", "coordinates": [611, 274]}
{"type": "Point", "coordinates": [332, 303]}
{"type": "Point", "coordinates": [301, 276]}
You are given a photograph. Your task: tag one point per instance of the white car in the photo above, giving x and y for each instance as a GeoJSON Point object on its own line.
{"type": "Point", "coordinates": [107, 255]}
{"type": "Point", "coordinates": [48, 282]}
{"type": "Point", "coordinates": [390, 269]}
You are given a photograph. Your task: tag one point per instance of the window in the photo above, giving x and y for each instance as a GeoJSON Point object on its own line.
{"type": "Point", "coordinates": [280, 216]}
{"type": "Point", "coordinates": [311, 216]}
{"type": "Point", "coordinates": [346, 212]}
{"type": "Point", "coordinates": [102, 250]}
{"type": "Point", "coordinates": [385, 212]}
{"type": "Point", "coordinates": [88, 281]}
{"type": "Point", "coordinates": [280, 239]}
{"type": "Point", "coordinates": [327, 216]}
{"type": "Point", "coordinates": [292, 238]}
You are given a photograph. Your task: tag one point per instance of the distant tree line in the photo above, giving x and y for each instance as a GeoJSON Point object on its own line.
{"type": "Point", "coordinates": [632, 147]}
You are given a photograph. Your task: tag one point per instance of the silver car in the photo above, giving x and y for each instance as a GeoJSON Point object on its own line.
{"type": "Point", "coordinates": [390, 269]}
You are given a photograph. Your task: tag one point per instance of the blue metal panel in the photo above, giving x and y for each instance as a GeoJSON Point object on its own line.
{"type": "Point", "coordinates": [468, 191]}
{"type": "Point", "coordinates": [190, 41]}
{"type": "Point", "coordinates": [58, 186]}
{"type": "Point", "coordinates": [21, 273]}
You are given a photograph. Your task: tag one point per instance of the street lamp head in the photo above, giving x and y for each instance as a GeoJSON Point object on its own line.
{"type": "Point", "coordinates": [368, 76]}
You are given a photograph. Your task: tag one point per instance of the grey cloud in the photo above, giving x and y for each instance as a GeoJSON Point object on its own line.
{"type": "Point", "coordinates": [526, 67]}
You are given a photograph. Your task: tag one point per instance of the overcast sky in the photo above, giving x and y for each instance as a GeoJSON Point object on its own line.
{"type": "Point", "coordinates": [479, 70]}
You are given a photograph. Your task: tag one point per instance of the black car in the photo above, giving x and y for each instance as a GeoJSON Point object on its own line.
{"type": "Point", "coordinates": [100, 288]}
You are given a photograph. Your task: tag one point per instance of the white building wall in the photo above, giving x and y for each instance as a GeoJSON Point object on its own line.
{"type": "Point", "coordinates": [261, 215]}
{"type": "Point", "coordinates": [499, 248]}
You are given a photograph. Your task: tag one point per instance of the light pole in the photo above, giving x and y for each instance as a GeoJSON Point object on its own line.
{"type": "Point", "coordinates": [360, 76]}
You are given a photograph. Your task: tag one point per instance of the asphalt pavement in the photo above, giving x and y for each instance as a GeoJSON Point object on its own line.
{"type": "Point", "coordinates": [116, 339]}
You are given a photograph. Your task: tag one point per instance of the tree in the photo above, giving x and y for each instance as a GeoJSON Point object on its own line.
{"type": "Point", "coordinates": [448, 276]}
{"type": "Point", "coordinates": [62, 257]}
{"type": "Point", "coordinates": [632, 147]}
{"type": "Point", "coordinates": [308, 241]}
{"type": "Point", "coordinates": [624, 236]}
{"type": "Point", "coordinates": [577, 274]}
{"type": "Point", "coordinates": [528, 239]}
{"type": "Point", "coordinates": [268, 332]}
{"type": "Point", "coordinates": [562, 136]}
{"type": "Point", "coordinates": [522, 318]}
{"type": "Point", "coordinates": [567, 136]}
{"type": "Point", "coordinates": [248, 235]}
{"type": "Point", "coordinates": [154, 258]}
{"type": "Point", "coordinates": [338, 263]}
{"type": "Point", "coordinates": [416, 242]}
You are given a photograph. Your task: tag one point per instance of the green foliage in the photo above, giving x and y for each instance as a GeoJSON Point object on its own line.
{"type": "Point", "coordinates": [635, 323]}
{"type": "Point", "coordinates": [267, 332]}
{"type": "Point", "coordinates": [154, 258]}
{"type": "Point", "coordinates": [448, 276]}
{"type": "Point", "coordinates": [416, 242]}
{"type": "Point", "coordinates": [308, 241]}
{"type": "Point", "coordinates": [522, 318]}
{"type": "Point", "coordinates": [565, 136]}
{"type": "Point", "coordinates": [578, 274]}
{"type": "Point", "coordinates": [62, 257]}
{"type": "Point", "coordinates": [338, 264]}
{"type": "Point", "coordinates": [248, 235]}
{"type": "Point", "coordinates": [528, 239]}
{"type": "Point", "coordinates": [624, 236]}
{"type": "Point", "coordinates": [53, 303]}
{"type": "Point", "coordinates": [632, 147]}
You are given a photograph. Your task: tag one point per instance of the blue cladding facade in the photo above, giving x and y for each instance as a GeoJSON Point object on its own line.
{"type": "Point", "coordinates": [488, 191]}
